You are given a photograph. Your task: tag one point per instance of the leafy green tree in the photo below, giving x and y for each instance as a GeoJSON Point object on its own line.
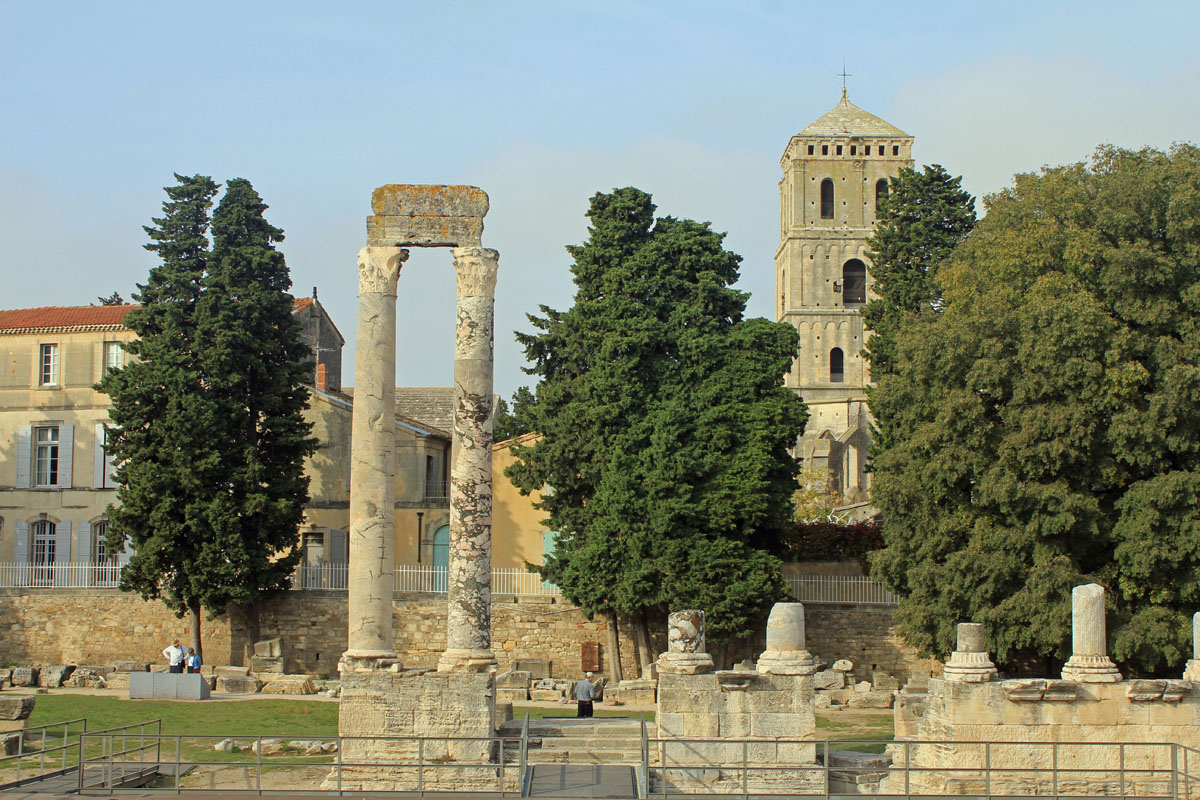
{"type": "Point", "coordinates": [1046, 424]}
{"type": "Point", "coordinates": [921, 220]}
{"type": "Point", "coordinates": [113, 299]}
{"type": "Point", "coordinates": [665, 425]}
{"type": "Point", "coordinates": [211, 433]}
{"type": "Point", "coordinates": [510, 422]}
{"type": "Point", "coordinates": [157, 402]}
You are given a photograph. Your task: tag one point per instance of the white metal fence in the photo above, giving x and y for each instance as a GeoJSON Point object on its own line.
{"type": "Point", "coordinates": [424, 578]}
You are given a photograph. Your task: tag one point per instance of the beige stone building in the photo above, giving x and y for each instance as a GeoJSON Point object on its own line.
{"type": "Point", "coordinates": [834, 173]}
{"type": "Point", "coordinates": [56, 480]}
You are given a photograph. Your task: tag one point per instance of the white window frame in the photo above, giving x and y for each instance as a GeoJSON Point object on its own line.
{"type": "Point", "coordinates": [99, 554]}
{"type": "Point", "coordinates": [114, 356]}
{"type": "Point", "coordinates": [43, 537]}
{"type": "Point", "coordinates": [48, 366]}
{"type": "Point", "coordinates": [46, 452]}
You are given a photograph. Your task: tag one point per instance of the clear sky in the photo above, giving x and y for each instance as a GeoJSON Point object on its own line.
{"type": "Point", "coordinates": [540, 103]}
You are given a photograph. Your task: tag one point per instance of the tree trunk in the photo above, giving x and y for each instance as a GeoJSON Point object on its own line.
{"type": "Point", "coordinates": [641, 638]}
{"type": "Point", "coordinates": [197, 644]}
{"type": "Point", "coordinates": [614, 650]}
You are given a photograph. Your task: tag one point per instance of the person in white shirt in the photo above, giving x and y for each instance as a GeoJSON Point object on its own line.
{"type": "Point", "coordinates": [585, 692]}
{"type": "Point", "coordinates": [174, 656]}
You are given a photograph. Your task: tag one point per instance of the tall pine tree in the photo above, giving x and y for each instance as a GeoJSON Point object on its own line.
{"type": "Point", "coordinates": [209, 434]}
{"type": "Point", "coordinates": [157, 400]}
{"type": "Point", "coordinates": [665, 425]}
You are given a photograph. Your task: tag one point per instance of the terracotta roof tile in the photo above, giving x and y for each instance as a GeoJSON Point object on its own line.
{"type": "Point", "coordinates": [65, 319]}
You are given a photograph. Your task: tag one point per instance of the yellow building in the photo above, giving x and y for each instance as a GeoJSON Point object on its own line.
{"type": "Point", "coordinates": [56, 481]}
{"type": "Point", "coordinates": [835, 171]}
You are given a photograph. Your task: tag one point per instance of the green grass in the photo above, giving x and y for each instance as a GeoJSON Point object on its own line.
{"type": "Point", "coordinates": [842, 733]}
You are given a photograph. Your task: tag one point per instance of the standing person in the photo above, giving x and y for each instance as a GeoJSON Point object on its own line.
{"type": "Point", "coordinates": [174, 655]}
{"type": "Point", "coordinates": [585, 692]}
{"type": "Point", "coordinates": [192, 661]}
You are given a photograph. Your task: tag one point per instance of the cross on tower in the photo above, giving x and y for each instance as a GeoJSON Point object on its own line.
{"type": "Point", "coordinates": [843, 75]}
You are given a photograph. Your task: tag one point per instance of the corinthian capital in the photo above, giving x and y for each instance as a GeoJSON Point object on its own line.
{"type": "Point", "coordinates": [379, 268]}
{"type": "Point", "coordinates": [475, 268]}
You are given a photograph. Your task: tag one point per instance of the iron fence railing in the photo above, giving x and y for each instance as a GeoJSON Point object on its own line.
{"type": "Point", "coordinates": [849, 589]}
{"type": "Point", "coordinates": [30, 762]}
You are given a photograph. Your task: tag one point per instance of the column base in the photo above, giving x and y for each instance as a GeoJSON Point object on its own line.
{"type": "Point", "coordinates": [466, 660]}
{"type": "Point", "coordinates": [786, 662]}
{"type": "Point", "coordinates": [969, 667]}
{"type": "Point", "coordinates": [369, 661]}
{"type": "Point", "coordinates": [674, 662]}
{"type": "Point", "coordinates": [1091, 669]}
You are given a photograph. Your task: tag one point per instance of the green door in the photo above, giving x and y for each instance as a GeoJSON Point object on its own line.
{"type": "Point", "coordinates": [441, 558]}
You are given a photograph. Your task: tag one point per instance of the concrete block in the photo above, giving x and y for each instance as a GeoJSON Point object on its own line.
{"type": "Point", "coordinates": [167, 686]}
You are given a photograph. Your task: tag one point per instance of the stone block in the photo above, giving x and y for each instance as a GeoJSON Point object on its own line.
{"type": "Point", "coordinates": [546, 695]}
{"type": "Point", "coordinates": [843, 665]}
{"type": "Point", "coordinates": [130, 666]}
{"type": "Point", "coordinates": [417, 200]}
{"type": "Point", "coordinates": [637, 692]}
{"type": "Point", "coordinates": [5, 677]}
{"type": "Point", "coordinates": [829, 679]}
{"type": "Point", "coordinates": [52, 677]}
{"type": "Point", "coordinates": [883, 682]}
{"type": "Point", "coordinates": [870, 700]}
{"type": "Point", "coordinates": [783, 726]}
{"type": "Point", "coordinates": [118, 681]}
{"type": "Point", "coordinates": [86, 678]}
{"type": "Point", "coordinates": [733, 725]}
{"type": "Point", "coordinates": [16, 707]}
{"type": "Point", "coordinates": [167, 686]}
{"type": "Point", "coordinates": [822, 700]}
{"type": "Point", "coordinates": [290, 684]}
{"type": "Point", "coordinates": [511, 695]}
{"type": "Point", "coordinates": [10, 743]}
{"type": "Point", "coordinates": [513, 679]}
{"type": "Point", "coordinates": [25, 676]}
{"type": "Point", "coordinates": [537, 668]}
{"type": "Point", "coordinates": [238, 684]}
{"type": "Point", "coordinates": [269, 648]}
{"type": "Point", "coordinates": [231, 672]}
{"type": "Point", "coordinates": [265, 664]}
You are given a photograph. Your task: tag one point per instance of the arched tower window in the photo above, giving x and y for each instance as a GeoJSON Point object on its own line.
{"type": "Point", "coordinates": [837, 367]}
{"type": "Point", "coordinates": [827, 199]}
{"type": "Point", "coordinates": [854, 283]}
{"type": "Point", "coordinates": [881, 191]}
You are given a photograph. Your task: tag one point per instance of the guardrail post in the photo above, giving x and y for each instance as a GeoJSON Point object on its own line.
{"type": "Point", "coordinates": [1054, 769]}
{"type": "Point", "coordinates": [1122, 746]}
{"type": "Point", "coordinates": [339, 762]}
{"type": "Point", "coordinates": [258, 767]}
{"type": "Point", "coordinates": [907, 763]}
{"type": "Point", "coordinates": [745, 784]}
{"type": "Point", "coordinates": [502, 787]}
{"type": "Point", "coordinates": [987, 768]}
{"type": "Point", "coordinates": [1174, 772]}
{"type": "Point", "coordinates": [178, 761]}
{"type": "Point", "coordinates": [421, 760]}
{"type": "Point", "coordinates": [825, 764]}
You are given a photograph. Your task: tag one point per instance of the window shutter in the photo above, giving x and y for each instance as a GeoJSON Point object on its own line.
{"type": "Point", "coordinates": [338, 545]}
{"type": "Point", "coordinates": [21, 543]}
{"type": "Point", "coordinates": [66, 455]}
{"type": "Point", "coordinates": [98, 465]}
{"type": "Point", "coordinates": [24, 457]}
{"type": "Point", "coordinates": [62, 554]}
{"type": "Point", "coordinates": [83, 543]}
{"type": "Point", "coordinates": [349, 460]}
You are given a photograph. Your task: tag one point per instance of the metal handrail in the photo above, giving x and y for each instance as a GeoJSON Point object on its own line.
{"type": "Point", "coordinates": [108, 755]}
{"type": "Point", "coordinates": [524, 756]}
{"type": "Point", "coordinates": [21, 754]}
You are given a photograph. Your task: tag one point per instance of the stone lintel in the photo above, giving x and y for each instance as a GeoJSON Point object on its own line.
{"type": "Point", "coordinates": [429, 200]}
{"type": "Point", "coordinates": [395, 231]}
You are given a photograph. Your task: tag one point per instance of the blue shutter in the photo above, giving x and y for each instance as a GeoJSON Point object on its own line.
{"type": "Point", "coordinates": [99, 467]}
{"type": "Point", "coordinates": [66, 455]}
{"type": "Point", "coordinates": [84, 552]}
{"type": "Point", "coordinates": [24, 457]}
{"type": "Point", "coordinates": [21, 543]}
{"type": "Point", "coordinates": [62, 554]}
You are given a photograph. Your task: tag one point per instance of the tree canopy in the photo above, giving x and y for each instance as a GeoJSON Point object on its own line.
{"type": "Point", "coordinates": [1045, 423]}
{"type": "Point", "coordinates": [208, 429]}
{"type": "Point", "coordinates": [664, 425]}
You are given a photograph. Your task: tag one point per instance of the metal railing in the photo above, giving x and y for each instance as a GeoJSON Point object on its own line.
{"type": "Point", "coordinates": [437, 491]}
{"type": "Point", "coordinates": [849, 589]}
{"type": "Point", "coordinates": [67, 575]}
{"type": "Point", "coordinates": [136, 758]}
{"type": "Point", "coordinates": [35, 744]}
{"type": "Point", "coordinates": [668, 766]}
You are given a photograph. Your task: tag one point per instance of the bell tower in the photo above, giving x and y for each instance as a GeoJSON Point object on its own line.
{"type": "Point", "coordinates": [835, 172]}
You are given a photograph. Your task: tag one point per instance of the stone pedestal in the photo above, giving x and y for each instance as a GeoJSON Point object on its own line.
{"type": "Point", "coordinates": [373, 463]}
{"type": "Point", "coordinates": [378, 704]}
{"type": "Point", "coordinates": [1089, 662]}
{"type": "Point", "coordinates": [786, 653]}
{"type": "Point", "coordinates": [970, 663]}
{"type": "Point", "coordinates": [685, 645]}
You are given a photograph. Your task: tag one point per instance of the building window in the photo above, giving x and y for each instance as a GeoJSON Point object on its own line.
{"type": "Point", "coordinates": [43, 543]}
{"type": "Point", "coordinates": [114, 356]}
{"type": "Point", "coordinates": [827, 199]}
{"type": "Point", "coordinates": [45, 457]}
{"type": "Point", "coordinates": [810, 149]}
{"type": "Point", "coordinates": [853, 149]}
{"type": "Point", "coordinates": [824, 149]}
{"type": "Point", "coordinates": [867, 150]}
{"type": "Point", "coordinates": [881, 191]}
{"type": "Point", "coordinates": [854, 283]}
{"type": "Point", "coordinates": [837, 369]}
{"type": "Point", "coordinates": [100, 553]}
{"type": "Point", "coordinates": [895, 150]}
{"type": "Point", "coordinates": [839, 149]}
{"type": "Point", "coordinates": [49, 365]}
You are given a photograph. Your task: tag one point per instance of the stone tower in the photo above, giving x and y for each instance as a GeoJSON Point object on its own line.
{"type": "Point", "coordinates": [834, 173]}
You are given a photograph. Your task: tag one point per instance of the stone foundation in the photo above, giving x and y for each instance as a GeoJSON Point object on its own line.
{"type": "Point", "coordinates": [378, 705]}
{"type": "Point", "coordinates": [773, 712]}
{"type": "Point", "coordinates": [1142, 714]}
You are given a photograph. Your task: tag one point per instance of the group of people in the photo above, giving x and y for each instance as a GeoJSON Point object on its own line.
{"type": "Point", "coordinates": [181, 659]}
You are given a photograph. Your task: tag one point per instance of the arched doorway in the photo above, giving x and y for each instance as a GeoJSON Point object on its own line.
{"type": "Point", "coordinates": [441, 558]}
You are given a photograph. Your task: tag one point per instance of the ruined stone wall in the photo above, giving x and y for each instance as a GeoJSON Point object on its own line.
{"type": "Point", "coordinates": [867, 636]}
{"type": "Point", "coordinates": [97, 626]}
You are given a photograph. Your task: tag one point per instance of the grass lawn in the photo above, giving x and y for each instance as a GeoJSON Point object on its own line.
{"type": "Point", "coordinates": [844, 728]}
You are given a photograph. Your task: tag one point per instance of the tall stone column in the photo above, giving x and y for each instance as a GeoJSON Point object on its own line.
{"type": "Point", "coordinates": [469, 610]}
{"type": "Point", "coordinates": [1089, 662]}
{"type": "Point", "coordinates": [373, 463]}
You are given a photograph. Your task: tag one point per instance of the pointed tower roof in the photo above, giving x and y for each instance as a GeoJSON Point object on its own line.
{"type": "Point", "coordinates": [847, 119]}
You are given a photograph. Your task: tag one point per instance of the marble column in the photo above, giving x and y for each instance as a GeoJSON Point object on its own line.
{"type": "Point", "coordinates": [685, 645]}
{"type": "Point", "coordinates": [1191, 671]}
{"type": "Point", "coordinates": [786, 652]}
{"type": "Point", "coordinates": [469, 609]}
{"type": "Point", "coordinates": [373, 464]}
{"type": "Point", "coordinates": [970, 663]}
{"type": "Point", "coordinates": [1089, 662]}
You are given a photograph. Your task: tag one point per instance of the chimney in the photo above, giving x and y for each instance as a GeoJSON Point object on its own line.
{"type": "Point", "coordinates": [322, 377]}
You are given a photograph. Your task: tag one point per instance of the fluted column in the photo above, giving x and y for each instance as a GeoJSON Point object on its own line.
{"type": "Point", "coordinates": [469, 611]}
{"type": "Point", "coordinates": [373, 463]}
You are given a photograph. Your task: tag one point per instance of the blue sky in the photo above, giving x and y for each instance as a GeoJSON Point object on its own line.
{"type": "Point", "coordinates": [541, 104]}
